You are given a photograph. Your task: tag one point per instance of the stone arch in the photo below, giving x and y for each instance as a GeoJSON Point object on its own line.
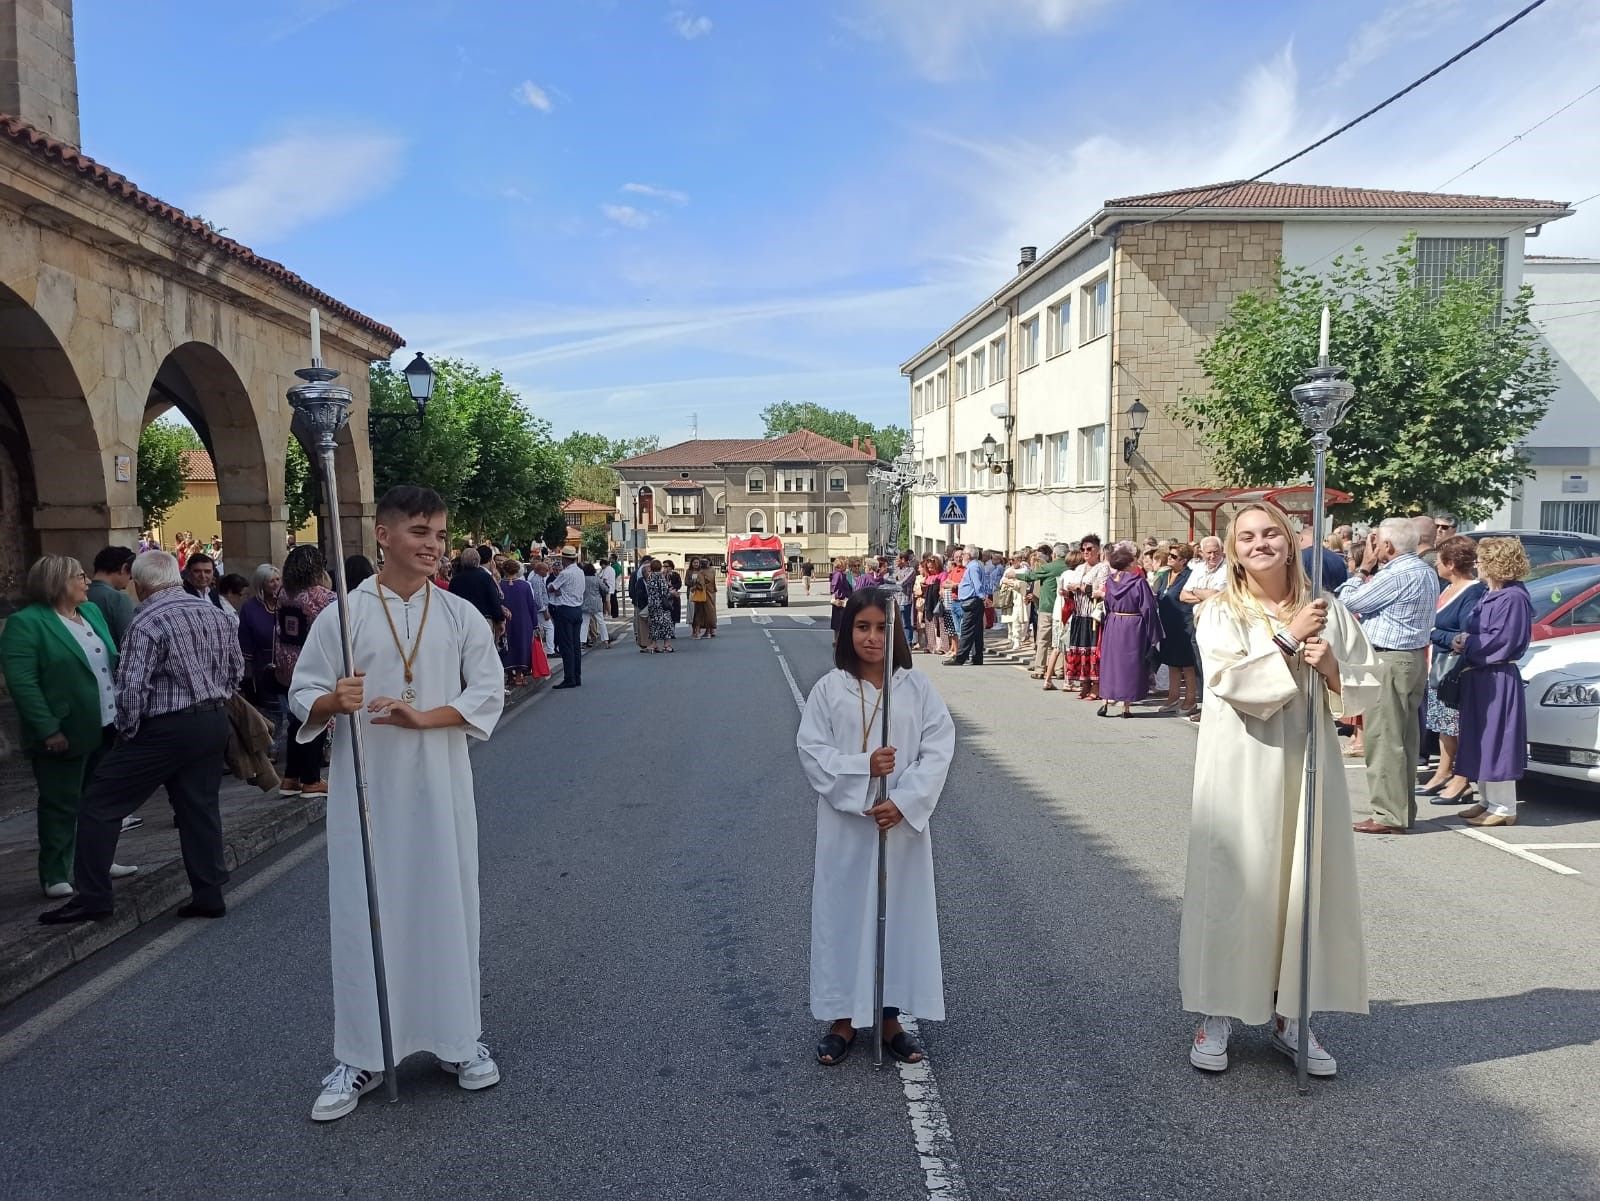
{"type": "Point", "coordinates": [53, 471]}
{"type": "Point", "coordinates": [756, 522]}
{"type": "Point", "coordinates": [198, 381]}
{"type": "Point", "coordinates": [838, 521]}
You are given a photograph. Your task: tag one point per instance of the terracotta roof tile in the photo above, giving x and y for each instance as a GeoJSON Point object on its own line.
{"type": "Point", "coordinates": [579, 505]}
{"type": "Point", "coordinates": [696, 452]}
{"type": "Point", "coordinates": [1268, 195]}
{"type": "Point", "coordinates": [802, 446]}
{"type": "Point", "coordinates": [197, 465]}
{"type": "Point", "coordinates": [43, 146]}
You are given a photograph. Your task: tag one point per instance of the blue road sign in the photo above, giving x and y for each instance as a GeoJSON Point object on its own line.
{"type": "Point", "coordinates": [953, 510]}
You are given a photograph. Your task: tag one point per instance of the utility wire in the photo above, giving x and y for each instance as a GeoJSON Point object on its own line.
{"type": "Point", "coordinates": [1517, 138]}
{"type": "Point", "coordinates": [1351, 124]}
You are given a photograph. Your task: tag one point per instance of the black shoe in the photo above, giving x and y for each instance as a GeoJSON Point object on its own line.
{"type": "Point", "coordinates": [955, 662]}
{"type": "Point", "coordinates": [71, 913]}
{"type": "Point", "coordinates": [563, 684]}
{"type": "Point", "coordinates": [194, 909]}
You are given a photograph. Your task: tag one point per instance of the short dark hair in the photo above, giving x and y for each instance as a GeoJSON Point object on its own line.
{"type": "Point", "coordinates": [357, 568]}
{"type": "Point", "coordinates": [586, 568]}
{"type": "Point", "coordinates": [844, 650]}
{"type": "Point", "coordinates": [233, 584]}
{"type": "Point", "coordinates": [198, 557]}
{"type": "Point", "coordinates": [408, 500]}
{"type": "Point", "coordinates": [112, 560]}
{"type": "Point", "coordinates": [1088, 540]}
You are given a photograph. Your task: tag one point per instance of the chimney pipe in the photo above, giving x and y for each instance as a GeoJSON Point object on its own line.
{"type": "Point", "coordinates": [1030, 255]}
{"type": "Point", "coordinates": [855, 441]}
{"type": "Point", "coordinates": [872, 447]}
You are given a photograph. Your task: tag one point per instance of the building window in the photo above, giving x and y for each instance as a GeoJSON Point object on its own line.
{"type": "Point", "coordinates": [961, 378]}
{"type": "Point", "coordinates": [938, 471]}
{"type": "Point", "coordinates": [1573, 516]}
{"type": "Point", "coordinates": [836, 480]}
{"type": "Point", "coordinates": [983, 477]}
{"type": "Point", "coordinates": [1092, 454]}
{"type": "Point", "coordinates": [1096, 309]}
{"type": "Point", "coordinates": [798, 522]}
{"type": "Point", "coordinates": [838, 521]}
{"type": "Point", "coordinates": [1057, 465]}
{"type": "Point", "coordinates": [1442, 259]}
{"type": "Point", "coordinates": [1059, 329]}
{"type": "Point", "coordinates": [756, 523]}
{"type": "Point", "coordinates": [797, 480]}
{"type": "Point", "coordinates": [1027, 343]}
{"type": "Point", "coordinates": [755, 480]}
{"type": "Point", "coordinates": [975, 375]}
{"type": "Point", "coordinates": [941, 389]}
{"type": "Point", "coordinates": [1031, 450]}
{"type": "Point", "coordinates": [961, 471]}
{"type": "Point", "coordinates": [997, 359]}
{"type": "Point", "coordinates": [916, 400]}
{"type": "Point", "coordinates": [722, 503]}
{"type": "Point", "coordinates": [683, 504]}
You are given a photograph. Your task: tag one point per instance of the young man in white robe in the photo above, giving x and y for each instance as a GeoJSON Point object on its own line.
{"type": "Point", "coordinates": [842, 752]}
{"type": "Point", "coordinates": [427, 679]}
{"type": "Point", "coordinates": [1260, 640]}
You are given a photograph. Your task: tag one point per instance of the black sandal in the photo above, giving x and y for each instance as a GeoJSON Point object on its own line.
{"type": "Point", "coordinates": [904, 1048]}
{"type": "Point", "coordinates": [834, 1049]}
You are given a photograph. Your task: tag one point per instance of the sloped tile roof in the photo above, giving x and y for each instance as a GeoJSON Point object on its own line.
{"type": "Point", "coordinates": [696, 452]}
{"type": "Point", "coordinates": [802, 446]}
{"type": "Point", "coordinates": [578, 505]}
{"type": "Point", "coordinates": [1268, 195]}
{"type": "Point", "coordinates": [197, 465]}
{"type": "Point", "coordinates": [42, 146]}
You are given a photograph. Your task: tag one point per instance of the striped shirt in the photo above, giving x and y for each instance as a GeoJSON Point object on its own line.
{"type": "Point", "coordinates": [1396, 606]}
{"type": "Point", "coordinates": [180, 650]}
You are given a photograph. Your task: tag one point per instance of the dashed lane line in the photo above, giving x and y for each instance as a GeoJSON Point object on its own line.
{"type": "Point", "coordinates": [930, 1124]}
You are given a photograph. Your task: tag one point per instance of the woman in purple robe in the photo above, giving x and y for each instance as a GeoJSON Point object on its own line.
{"type": "Point", "coordinates": [1132, 629]}
{"type": "Point", "coordinates": [1493, 748]}
{"type": "Point", "coordinates": [518, 653]}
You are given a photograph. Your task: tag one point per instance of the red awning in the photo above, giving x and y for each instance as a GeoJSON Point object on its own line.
{"type": "Point", "coordinates": [1293, 499]}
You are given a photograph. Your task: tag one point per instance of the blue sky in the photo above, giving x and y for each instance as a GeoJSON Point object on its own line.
{"type": "Point", "coordinates": [644, 211]}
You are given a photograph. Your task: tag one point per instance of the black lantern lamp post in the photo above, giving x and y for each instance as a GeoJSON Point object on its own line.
{"type": "Point", "coordinates": [1137, 416]}
{"type": "Point", "coordinates": [419, 379]}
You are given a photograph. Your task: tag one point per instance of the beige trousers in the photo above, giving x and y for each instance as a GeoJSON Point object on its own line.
{"type": "Point", "coordinates": [1393, 737]}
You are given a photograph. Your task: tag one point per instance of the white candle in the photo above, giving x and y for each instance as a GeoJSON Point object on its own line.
{"type": "Point", "coordinates": [316, 336]}
{"type": "Point", "coordinates": [1322, 340]}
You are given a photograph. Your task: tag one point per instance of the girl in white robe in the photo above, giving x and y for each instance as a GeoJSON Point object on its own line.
{"type": "Point", "coordinates": [1239, 946]}
{"type": "Point", "coordinates": [840, 744]}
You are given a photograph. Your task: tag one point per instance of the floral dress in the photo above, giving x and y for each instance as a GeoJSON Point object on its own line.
{"type": "Point", "coordinates": [659, 593]}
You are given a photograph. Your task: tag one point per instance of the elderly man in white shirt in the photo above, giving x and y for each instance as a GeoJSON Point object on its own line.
{"type": "Point", "coordinates": [566, 610]}
{"type": "Point", "coordinates": [1208, 575]}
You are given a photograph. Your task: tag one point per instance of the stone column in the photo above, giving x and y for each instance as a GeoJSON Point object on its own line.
{"type": "Point", "coordinates": [251, 534]}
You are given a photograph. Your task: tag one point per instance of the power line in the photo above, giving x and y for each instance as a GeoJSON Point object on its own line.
{"type": "Point", "coordinates": [1565, 317]}
{"type": "Point", "coordinates": [1517, 138]}
{"type": "Point", "coordinates": [1351, 124]}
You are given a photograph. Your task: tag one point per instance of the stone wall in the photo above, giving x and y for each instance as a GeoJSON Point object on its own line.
{"type": "Point", "coordinates": [1175, 282]}
{"type": "Point", "coordinates": [38, 66]}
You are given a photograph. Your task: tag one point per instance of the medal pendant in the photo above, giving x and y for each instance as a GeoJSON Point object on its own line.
{"type": "Point", "coordinates": [409, 696]}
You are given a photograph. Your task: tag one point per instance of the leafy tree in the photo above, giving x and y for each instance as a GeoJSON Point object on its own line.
{"type": "Point", "coordinates": [158, 480]}
{"type": "Point", "coordinates": [1448, 383]}
{"type": "Point", "coordinates": [596, 542]}
{"type": "Point", "coordinates": [786, 416]}
{"type": "Point", "coordinates": [554, 533]}
{"type": "Point", "coordinates": [589, 458]}
{"type": "Point", "coordinates": [300, 485]}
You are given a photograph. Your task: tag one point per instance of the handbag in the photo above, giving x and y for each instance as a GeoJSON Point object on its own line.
{"type": "Point", "coordinates": [1448, 689]}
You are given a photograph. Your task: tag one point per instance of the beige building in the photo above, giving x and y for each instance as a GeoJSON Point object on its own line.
{"type": "Point", "coordinates": [1051, 365]}
{"type": "Point", "coordinates": [814, 493]}
{"type": "Point", "coordinates": [196, 513]}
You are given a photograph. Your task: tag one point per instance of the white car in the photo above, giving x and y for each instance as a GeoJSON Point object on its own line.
{"type": "Point", "coordinates": [1561, 679]}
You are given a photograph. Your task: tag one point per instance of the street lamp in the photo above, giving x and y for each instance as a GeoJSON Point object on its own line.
{"type": "Point", "coordinates": [419, 381]}
{"type": "Point", "coordinates": [1137, 416]}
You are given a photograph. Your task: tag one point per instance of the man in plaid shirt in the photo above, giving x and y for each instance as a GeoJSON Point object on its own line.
{"type": "Point", "coordinates": [181, 660]}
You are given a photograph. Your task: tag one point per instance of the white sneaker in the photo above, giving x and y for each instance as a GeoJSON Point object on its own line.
{"type": "Point", "coordinates": [58, 890]}
{"type": "Point", "coordinates": [342, 1089]}
{"type": "Point", "coordinates": [1209, 1052]}
{"type": "Point", "coordinates": [478, 1072]}
{"type": "Point", "coordinates": [1318, 1061]}
{"type": "Point", "coordinates": [121, 871]}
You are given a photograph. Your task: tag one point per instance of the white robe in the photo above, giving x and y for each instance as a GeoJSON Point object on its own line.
{"type": "Point", "coordinates": [844, 892]}
{"type": "Point", "coordinates": [1240, 937]}
{"type": "Point", "coordinates": [424, 824]}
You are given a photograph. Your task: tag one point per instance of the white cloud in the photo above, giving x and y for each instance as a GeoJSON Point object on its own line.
{"type": "Point", "coordinates": [268, 193]}
{"type": "Point", "coordinates": [627, 216]}
{"type": "Point", "coordinates": [1398, 25]}
{"type": "Point", "coordinates": [531, 94]}
{"type": "Point", "coordinates": [939, 38]}
{"type": "Point", "coordinates": [689, 26]}
{"type": "Point", "coordinates": [670, 195]}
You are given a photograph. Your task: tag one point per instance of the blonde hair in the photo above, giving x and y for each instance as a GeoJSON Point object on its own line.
{"type": "Point", "coordinates": [1236, 596]}
{"type": "Point", "coordinates": [49, 578]}
{"type": "Point", "coordinates": [1502, 559]}
{"type": "Point", "coordinates": [839, 563]}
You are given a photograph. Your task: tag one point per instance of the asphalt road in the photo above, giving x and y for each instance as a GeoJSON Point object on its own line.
{"type": "Point", "coordinates": [646, 858]}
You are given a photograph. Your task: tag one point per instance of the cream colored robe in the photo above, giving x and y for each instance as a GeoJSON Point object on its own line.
{"type": "Point", "coordinates": [1240, 939]}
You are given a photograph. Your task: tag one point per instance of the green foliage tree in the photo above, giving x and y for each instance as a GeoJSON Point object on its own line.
{"type": "Point", "coordinates": [786, 416]}
{"type": "Point", "coordinates": [589, 456]}
{"type": "Point", "coordinates": [300, 485]}
{"type": "Point", "coordinates": [596, 543]}
{"type": "Point", "coordinates": [158, 479]}
{"type": "Point", "coordinates": [1448, 382]}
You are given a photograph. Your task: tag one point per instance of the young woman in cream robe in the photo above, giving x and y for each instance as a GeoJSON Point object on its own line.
{"type": "Point", "coordinates": [1239, 949]}
{"type": "Point", "coordinates": [840, 743]}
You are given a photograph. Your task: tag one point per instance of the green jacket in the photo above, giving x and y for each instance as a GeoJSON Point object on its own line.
{"type": "Point", "coordinates": [1049, 577]}
{"type": "Point", "coordinates": [50, 680]}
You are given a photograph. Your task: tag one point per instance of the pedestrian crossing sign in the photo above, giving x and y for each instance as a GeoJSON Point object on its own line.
{"type": "Point", "coordinates": [953, 510]}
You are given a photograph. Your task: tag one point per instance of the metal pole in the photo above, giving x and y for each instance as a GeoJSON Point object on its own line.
{"type": "Point", "coordinates": [1321, 402]}
{"type": "Point", "coordinates": [891, 603]}
{"type": "Point", "coordinates": [326, 408]}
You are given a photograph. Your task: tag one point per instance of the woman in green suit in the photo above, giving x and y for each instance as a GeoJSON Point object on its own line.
{"type": "Point", "coordinates": [60, 664]}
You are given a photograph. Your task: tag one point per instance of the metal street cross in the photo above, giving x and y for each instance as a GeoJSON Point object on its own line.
{"type": "Point", "coordinates": [953, 510]}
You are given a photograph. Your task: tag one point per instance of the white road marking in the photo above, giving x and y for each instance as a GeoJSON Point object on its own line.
{"type": "Point", "coordinates": [1559, 846]}
{"type": "Point", "coordinates": [930, 1124]}
{"type": "Point", "coordinates": [801, 619]}
{"type": "Point", "coordinates": [761, 619]}
{"type": "Point", "coordinates": [75, 1002]}
{"type": "Point", "coordinates": [1561, 869]}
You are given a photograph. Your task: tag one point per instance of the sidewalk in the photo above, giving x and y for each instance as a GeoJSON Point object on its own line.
{"type": "Point", "coordinates": [253, 823]}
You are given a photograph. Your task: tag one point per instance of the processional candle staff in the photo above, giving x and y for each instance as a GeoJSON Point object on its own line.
{"type": "Point", "coordinates": [1321, 402]}
{"type": "Point", "coordinates": [322, 408]}
{"type": "Point", "coordinates": [891, 604]}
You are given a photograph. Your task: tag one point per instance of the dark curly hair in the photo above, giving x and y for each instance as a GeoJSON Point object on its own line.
{"type": "Point", "coordinates": [303, 568]}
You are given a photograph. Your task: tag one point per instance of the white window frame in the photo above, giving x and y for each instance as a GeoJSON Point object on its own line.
{"type": "Point", "coordinates": [755, 522]}
{"type": "Point", "coordinates": [941, 391]}
{"type": "Point", "coordinates": [721, 503]}
{"type": "Point", "coordinates": [1438, 260]}
{"type": "Point", "coordinates": [960, 471]}
{"type": "Point", "coordinates": [750, 476]}
{"type": "Point", "coordinates": [843, 478]}
{"type": "Point", "coordinates": [1028, 343]}
{"type": "Point", "coordinates": [1092, 457]}
{"type": "Point", "coordinates": [976, 379]}
{"type": "Point", "coordinates": [841, 518]}
{"type": "Point", "coordinates": [1058, 459]}
{"type": "Point", "coordinates": [916, 400]}
{"type": "Point", "coordinates": [997, 359]}
{"type": "Point", "coordinates": [1096, 309]}
{"type": "Point", "coordinates": [683, 504]}
{"type": "Point", "coordinates": [961, 378]}
{"type": "Point", "coordinates": [1058, 327]}
{"type": "Point", "coordinates": [983, 476]}
{"type": "Point", "coordinates": [1030, 451]}
{"type": "Point", "coordinates": [797, 479]}
{"type": "Point", "coordinates": [938, 471]}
